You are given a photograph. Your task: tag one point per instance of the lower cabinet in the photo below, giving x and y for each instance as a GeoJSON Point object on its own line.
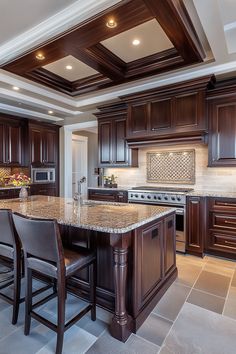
{"type": "Point", "coordinates": [9, 193]}
{"type": "Point", "coordinates": [108, 195]}
{"type": "Point", "coordinates": [221, 238]}
{"type": "Point", "coordinates": [43, 189]}
{"type": "Point", "coordinates": [196, 225]}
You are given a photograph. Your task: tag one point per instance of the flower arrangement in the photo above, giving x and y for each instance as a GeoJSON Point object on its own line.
{"type": "Point", "coordinates": [19, 180]}
{"type": "Point", "coordinates": [110, 181]}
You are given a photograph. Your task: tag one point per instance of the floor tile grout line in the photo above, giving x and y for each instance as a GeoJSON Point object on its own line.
{"type": "Point", "coordinates": [227, 295]}
{"type": "Point", "coordinates": [164, 318]}
{"type": "Point", "coordinates": [206, 292]}
{"type": "Point", "coordinates": [146, 340]}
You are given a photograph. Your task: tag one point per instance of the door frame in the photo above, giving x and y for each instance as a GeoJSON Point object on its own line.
{"type": "Point", "coordinates": [66, 155]}
{"type": "Point", "coordinates": [84, 140]}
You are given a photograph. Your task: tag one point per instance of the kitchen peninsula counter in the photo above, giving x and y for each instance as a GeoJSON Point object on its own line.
{"type": "Point", "coordinates": [135, 247]}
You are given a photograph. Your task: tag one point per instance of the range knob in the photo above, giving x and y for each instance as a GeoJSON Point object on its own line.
{"type": "Point", "coordinates": [179, 199]}
{"type": "Point", "coordinates": [166, 198]}
{"type": "Point", "coordinates": [131, 195]}
{"type": "Point", "coordinates": [154, 197]}
{"type": "Point", "coordinates": [142, 196]}
{"type": "Point", "coordinates": [173, 198]}
{"type": "Point", "coordinates": [159, 197]}
{"type": "Point", "coordinates": [148, 197]}
{"type": "Point", "coordinates": [136, 195]}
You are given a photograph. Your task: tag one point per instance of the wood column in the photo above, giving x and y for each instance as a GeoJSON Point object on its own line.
{"type": "Point", "coordinates": [121, 326]}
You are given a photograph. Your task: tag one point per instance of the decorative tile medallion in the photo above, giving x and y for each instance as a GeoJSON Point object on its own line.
{"type": "Point", "coordinates": [171, 167]}
{"type": "Point", "coordinates": [4, 172]}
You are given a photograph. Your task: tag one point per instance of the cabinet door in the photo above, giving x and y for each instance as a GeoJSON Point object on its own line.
{"type": "Point", "coordinates": [120, 156]}
{"type": "Point", "coordinates": [189, 111]}
{"type": "Point", "coordinates": [195, 225]}
{"type": "Point", "coordinates": [169, 244]}
{"type": "Point", "coordinates": [138, 120]}
{"type": "Point", "coordinates": [50, 147]}
{"type": "Point", "coordinates": [222, 137]}
{"type": "Point", "coordinates": [105, 142]}
{"type": "Point", "coordinates": [149, 262]}
{"type": "Point", "coordinates": [36, 146]}
{"type": "Point", "coordinates": [160, 115]}
{"type": "Point", "coordinates": [2, 144]}
{"type": "Point", "coordinates": [14, 147]}
{"type": "Point", "coordinates": [109, 196]}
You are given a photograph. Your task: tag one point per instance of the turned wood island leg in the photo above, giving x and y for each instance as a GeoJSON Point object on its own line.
{"type": "Point", "coordinates": [121, 325]}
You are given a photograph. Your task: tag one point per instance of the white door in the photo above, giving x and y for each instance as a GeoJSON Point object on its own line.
{"type": "Point", "coordinates": [79, 163]}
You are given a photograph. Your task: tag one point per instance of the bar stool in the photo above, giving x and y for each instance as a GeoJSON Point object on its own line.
{"type": "Point", "coordinates": [11, 257]}
{"type": "Point", "coordinates": [44, 253]}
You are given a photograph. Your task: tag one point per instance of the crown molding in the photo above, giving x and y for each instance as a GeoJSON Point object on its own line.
{"type": "Point", "coordinates": [51, 27]}
{"type": "Point", "coordinates": [27, 113]}
{"type": "Point", "coordinates": [36, 101]}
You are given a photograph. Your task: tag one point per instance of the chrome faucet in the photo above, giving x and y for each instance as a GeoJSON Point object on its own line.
{"type": "Point", "coordinates": [78, 194]}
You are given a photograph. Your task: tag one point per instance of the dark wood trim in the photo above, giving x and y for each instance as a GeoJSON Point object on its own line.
{"type": "Point", "coordinates": [84, 43]}
{"type": "Point", "coordinates": [173, 18]}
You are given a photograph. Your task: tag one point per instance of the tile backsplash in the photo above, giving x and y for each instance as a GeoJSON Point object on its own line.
{"type": "Point", "coordinates": [206, 178]}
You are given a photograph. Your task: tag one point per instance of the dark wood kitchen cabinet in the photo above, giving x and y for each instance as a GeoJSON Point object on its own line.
{"type": "Point", "coordinates": [12, 142]}
{"type": "Point", "coordinates": [44, 189]}
{"type": "Point", "coordinates": [44, 144]}
{"type": "Point", "coordinates": [177, 110]}
{"type": "Point", "coordinates": [196, 225]}
{"type": "Point", "coordinates": [112, 146]}
{"type": "Point", "coordinates": [221, 237]}
{"type": "Point", "coordinates": [8, 193]}
{"type": "Point", "coordinates": [108, 195]}
{"type": "Point", "coordinates": [222, 128]}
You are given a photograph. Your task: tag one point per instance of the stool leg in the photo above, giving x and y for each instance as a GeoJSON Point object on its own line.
{"type": "Point", "coordinates": [61, 294]}
{"type": "Point", "coordinates": [17, 286]}
{"type": "Point", "coordinates": [93, 282]}
{"type": "Point", "coordinates": [28, 300]}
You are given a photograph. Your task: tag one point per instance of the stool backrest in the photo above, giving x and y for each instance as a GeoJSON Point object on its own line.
{"type": "Point", "coordinates": [39, 237]}
{"type": "Point", "coordinates": [8, 234]}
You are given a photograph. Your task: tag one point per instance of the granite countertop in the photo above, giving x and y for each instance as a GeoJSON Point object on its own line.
{"type": "Point", "coordinates": [203, 193]}
{"type": "Point", "coordinates": [197, 193]}
{"type": "Point", "coordinates": [10, 187]}
{"type": "Point", "coordinates": [91, 215]}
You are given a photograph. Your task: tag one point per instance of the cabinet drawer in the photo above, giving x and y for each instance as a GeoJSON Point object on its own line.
{"type": "Point", "coordinates": [221, 241]}
{"type": "Point", "coordinates": [223, 221]}
{"type": "Point", "coordinates": [223, 204]}
{"type": "Point", "coordinates": [4, 194]}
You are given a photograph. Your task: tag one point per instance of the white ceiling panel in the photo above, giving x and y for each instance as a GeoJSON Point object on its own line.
{"type": "Point", "coordinates": [79, 69]}
{"type": "Point", "coordinates": [152, 40]}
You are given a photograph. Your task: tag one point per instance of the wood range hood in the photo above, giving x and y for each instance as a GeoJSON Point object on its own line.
{"type": "Point", "coordinates": [173, 114]}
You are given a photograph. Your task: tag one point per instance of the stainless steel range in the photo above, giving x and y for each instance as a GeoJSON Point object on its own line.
{"type": "Point", "coordinates": [166, 196]}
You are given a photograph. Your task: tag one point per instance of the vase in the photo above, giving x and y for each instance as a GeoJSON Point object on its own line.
{"type": "Point", "coordinates": [23, 193]}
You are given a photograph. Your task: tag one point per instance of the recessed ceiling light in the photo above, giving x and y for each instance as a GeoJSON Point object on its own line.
{"type": "Point", "coordinates": [69, 67]}
{"type": "Point", "coordinates": [15, 88]}
{"type": "Point", "coordinates": [40, 56]}
{"type": "Point", "coordinates": [136, 42]}
{"type": "Point", "coordinates": [111, 23]}
{"type": "Point", "coordinates": [50, 112]}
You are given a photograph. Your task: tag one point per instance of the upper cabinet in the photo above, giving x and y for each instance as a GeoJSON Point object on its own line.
{"type": "Point", "coordinates": [43, 144]}
{"type": "Point", "coordinates": [178, 110]}
{"type": "Point", "coordinates": [11, 142]}
{"type": "Point", "coordinates": [112, 146]}
{"type": "Point", "coordinates": [222, 127]}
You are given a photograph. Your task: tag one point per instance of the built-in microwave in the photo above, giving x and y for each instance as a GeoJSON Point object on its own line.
{"type": "Point", "coordinates": [43, 175]}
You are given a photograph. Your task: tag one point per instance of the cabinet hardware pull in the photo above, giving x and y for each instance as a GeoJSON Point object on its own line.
{"type": "Point", "coordinates": [230, 204]}
{"type": "Point", "coordinates": [230, 222]}
{"type": "Point", "coordinates": [154, 129]}
{"type": "Point", "coordinates": [230, 243]}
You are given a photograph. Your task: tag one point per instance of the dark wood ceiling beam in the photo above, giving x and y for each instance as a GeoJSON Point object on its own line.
{"type": "Point", "coordinates": [175, 21]}
{"type": "Point", "coordinates": [98, 63]}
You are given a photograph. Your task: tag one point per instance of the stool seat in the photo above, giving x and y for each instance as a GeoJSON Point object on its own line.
{"type": "Point", "coordinates": [72, 260]}
{"type": "Point", "coordinates": [7, 251]}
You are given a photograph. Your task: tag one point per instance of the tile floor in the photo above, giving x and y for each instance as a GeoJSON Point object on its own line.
{"type": "Point", "coordinates": [196, 315]}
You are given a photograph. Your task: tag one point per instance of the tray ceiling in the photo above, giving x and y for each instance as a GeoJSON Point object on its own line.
{"type": "Point", "coordinates": [152, 40]}
{"type": "Point", "coordinates": [101, 57]}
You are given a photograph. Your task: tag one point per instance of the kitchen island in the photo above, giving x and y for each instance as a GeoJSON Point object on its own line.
{"type": "Point", "coordinates": [135, 247]}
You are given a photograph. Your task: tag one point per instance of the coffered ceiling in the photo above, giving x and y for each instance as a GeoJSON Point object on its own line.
{"type": "Point", "coordinates": [132, 39]}
{"type": "Point", "coordinates": [177, 40]}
